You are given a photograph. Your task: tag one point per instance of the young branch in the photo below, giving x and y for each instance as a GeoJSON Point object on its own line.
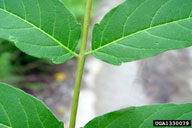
{"type": "Point", "coordinates": [80, 67]}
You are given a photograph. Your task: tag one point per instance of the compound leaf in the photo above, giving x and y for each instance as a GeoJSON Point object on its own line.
{"type": "Point", "coordinates": [142, 117]}
{"type": "Point", "coordinates": [137, 29]}
{"type": "Point", "coordinates": [20, 110]}
{"type": "Point", "coordinates": [41, 28]}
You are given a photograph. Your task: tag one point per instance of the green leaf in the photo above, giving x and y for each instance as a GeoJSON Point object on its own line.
{"type": "Point", "coordinates": [20, 110]}
{"type": "Point", "coordinates": [41, 28]}
{"type": "Point", "coordinates": [142, 117]}
{"type": "Point", "coordinates": [137, 29]}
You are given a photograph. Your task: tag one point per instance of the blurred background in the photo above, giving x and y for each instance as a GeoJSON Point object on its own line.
{"type": "Point", "coordinates": [160, 79]}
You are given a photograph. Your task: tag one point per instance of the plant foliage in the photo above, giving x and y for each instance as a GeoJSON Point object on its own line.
{"type": "Point", "coordinates": [20, 110]}
{"type": "Point", "coordinates": [137, 29]}
{"type": "Point", "coordinates": [142, 117]}
{"type": "Point", "coordinates": [134, 30]}
{"type": "Point", "coordinates": [42, 28]}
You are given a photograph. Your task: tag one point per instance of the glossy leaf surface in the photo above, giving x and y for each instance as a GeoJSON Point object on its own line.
{"type": "Point", "coordinates": [137, 29]}
{"type": "Point", "coordinates": [20, 110]}
{"type": "Point", "coordinates": [42, 28]}
{"type": "Point", "coordinates": [142, 117]}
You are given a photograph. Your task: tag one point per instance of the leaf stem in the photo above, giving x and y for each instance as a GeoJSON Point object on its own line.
{"type": "Point", "coordinates": [88, 53]}
{"type": "Point", "coordinates": [81, 62]}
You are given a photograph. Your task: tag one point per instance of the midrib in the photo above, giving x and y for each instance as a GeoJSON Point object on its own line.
{"type": "Point", "coordinates": [31, 24]}
{"type": "Point", "coordinates": [132, 34]}
{"type": "Point", "coordinates": [5, 125]}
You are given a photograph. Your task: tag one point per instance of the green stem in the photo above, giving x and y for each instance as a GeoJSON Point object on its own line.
{"type": "Point", "coordinates": [80, 67]}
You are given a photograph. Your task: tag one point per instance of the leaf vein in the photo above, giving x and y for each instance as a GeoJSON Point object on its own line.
{"type": "Point", "coordinates": [124, 26]}
{"type": "Point", "coordinates": [149, 117]}
{"type": "Point", "coordinates": [190, 14]}
{"type": "Point", "coordinates": [158, 12]}
{"type": "Point", "coordinates": [39, 45]}
{"type": "Point", "coordinates": [4, 4]}
{"type": "Point", "coordinates": [27, 120]}
{"type": "Point", "coordinates": [37, 114]}
{"type": "Point", "coordinates": [53, 32]}
{"type": "Point", "coordinates": [69, 35]}
{"type": "Point", "coordinates": [115, 56]}
{"type": "Point", "coordinates": [18, 28]}
{"type": "Point", "coordinates": [55, 40]}
{"type": "Point", "coordinates": [164, 37]}
{"type": "Point", "coordinates": [22, 2]}
{"type": "Point", "coordinates": [100, 43]}
{"type": "Point", "coordinates": [40, 14]}
{"type": "Point", "coordinates": [183, 27]}
{"type": "Point", "coordinates": [133, 47]}
{"type": "Point", "coordinates": [181, 116]}
{"type": "Point", "coordinates": [5, 125]}
{"type": "Point", "coordinates": [132, 34]}
{"type": "Point", "coordinates": [116, 119]}
{"type": "Point", "coordinates": [6, 114]}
